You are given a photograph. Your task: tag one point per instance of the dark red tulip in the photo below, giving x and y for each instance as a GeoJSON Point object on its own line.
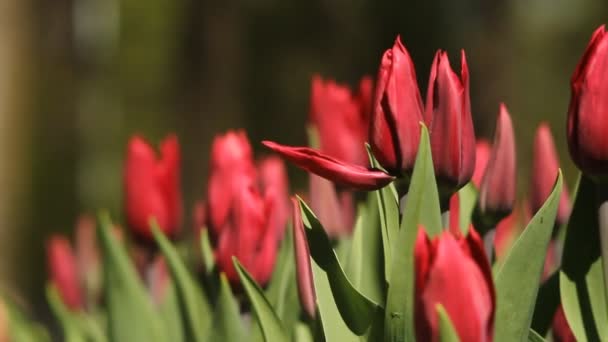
{"type": "Point", "coordinates": [344, 174]}
{"type": "Point", "coordinates": [482, 155]}
{"type": "Point", "coordinates": [341, 119]}
{"type": "Point", "coordinates": [454, 272]}
{"type": "Point", "coordinates": [497, 192]}
{"type": "Point", "coordinates": [448, 116]}
{"type": "Point", "coordinates": [396, 112]}
{"type": "Point", "coordinates": [245, 211]}
{"type": "Point", "coordinates": [152, 186]}
{"type": "Point", "coordinates": [588, 111]}
{"type": "Point", "coordinates": [63, 271]}
{"type": "Point", "coordinates": [545, 164]}
{"type": "Point", "coordinates": [560, 327]}
{"type": "Point", "coordinates": [306, 286]}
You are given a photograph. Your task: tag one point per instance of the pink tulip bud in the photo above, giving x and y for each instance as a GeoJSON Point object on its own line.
{"type": "Point", "coordinates": [587, 115]}
{"type": "Point", "coordinates": [63, 271]}
{"type": "Point", "coordinates": [306, 286]}
{"type": "Point", "coordinates": [396, 112]}
{"type": "Point", "coordinates": [340, 120]}
{"type": "Point", "coordinates": [152, 187]}
{"type": "Point", "coordinates": [275, 184]}
{"type": "Point", "coordinates": [454, 272]}
{"type": "Point", "coordinates": [448, 116]}
{"type": "Point", "coordinates": [482, 156]}
{"type": "Point", "coordinates": [545, 164]}
{"type": "Point", "coordinates": [497, 192]}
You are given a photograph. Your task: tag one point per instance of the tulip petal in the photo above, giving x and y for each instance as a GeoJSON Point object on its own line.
{"type": "Point", "coordinates": [349, 175]}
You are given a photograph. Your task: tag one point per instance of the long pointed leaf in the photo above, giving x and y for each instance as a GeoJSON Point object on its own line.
{"type": "Point", "coordinates": [447, 332]}
{"type": "Point", "coordinates": [227, 324]}
{"type": "Point", "coordinates": [516, 281]}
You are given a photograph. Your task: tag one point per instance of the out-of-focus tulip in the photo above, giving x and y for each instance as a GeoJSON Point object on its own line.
{"type": "Point", "coordinates": [306, 287]}
{"type": "Point", "coordinates": [560, 328]}
{"type": "Point", "coordinates": [506, 233]}
{"type": "Point", "coordinates": [245, 211]}
{"type": "Point", "coordinates": [88, 257]}
{"type": "Point", "coordinates": [344, 174]}
{"type": "Point", "coordinates": [334, 209]}
{"type": "Point", "coordinates": [454, 272]}
{"type": "Point", "coordinates": [545, 165]}
{"type": "Point", "coordinates": [396, 112]}
{"type": "Point", "coordinates": [341, 119]}
{"type": "Point", "coordinates": [63, 271]}
{"type": "Point", "coordinates": [158, 279]}
{"type": "Point", "coordinates": [482, 156]}
{"type": "Point", "coordinates": [448, 116]}
{"type": "Point", "coordinates": [275, 185]}
{"type": "Point", "coordinates": [152, 187]}
{"type": "Point", "coordinates": [587, 114]}
{"type": "Point", "coordinates": [497, 191]}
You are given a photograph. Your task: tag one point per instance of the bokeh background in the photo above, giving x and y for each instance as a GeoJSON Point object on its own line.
{"type": "Point", "coordinates": [78, 77]}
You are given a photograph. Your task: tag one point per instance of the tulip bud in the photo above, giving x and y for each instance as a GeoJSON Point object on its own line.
{"type": "Point", "coordinates": [587, 115]}
{"type": "Point", "coordinates": [275, 184]}
{"type": "Point", "coordinates": [448, 116]}
{"type": "Point", "coordinates": [152, 187]}
{"type": "Point", "coordinates": [306, 286]}
{"type": "Point", "coordinates": [340, 121]}
{"type": "Point", "coordinates": [63, 271]}
{"type": "Point", "coordinates": [482, 156]}
{"type": "Point", "coordinates": [397, 112]}
{"type": "Point", "coordinates": [334, 209]}
{"type": "Point", "coordinates": [560, 327]}
{"type": "Point", "coordinates": [497, 192]}
{"type": "Point", "coordinates": [470, 302]}
{"type": "Point", "coordinates": [88, 257]}
{"type": "Point", "coordinates": [545, 164]}
{"type": "Point", "coordinates": [364, 98]}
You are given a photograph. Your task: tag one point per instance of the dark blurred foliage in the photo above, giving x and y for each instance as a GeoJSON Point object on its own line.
{"type": "Point", "coordinates": [88, 73]}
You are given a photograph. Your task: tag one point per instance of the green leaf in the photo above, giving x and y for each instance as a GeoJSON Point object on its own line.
{"type": "Point", "coordinates": [355, 308]}
{"type": "Point", "coordinates": [421, 207]}
{"type": "Point", "coordinates": [227, 324]}
{"type": "Point", "coordinates": [547, 303]}
{"type": "Point", "coordinates": [196, 308]}
{"type": "Point", "coordinates": [581, 279]}
{"type": "Point", "coordinates": [467, 197]}
{"type": "Point", "coordinates": [533, 336]}
{"type": "Point", "coordinates": [388, 208]}
{"type": "Point", "coordinates": [516, 281]}
{"type": "Point", "coordinates": [207, 252]}
{"type": "Point", "coordinates": [302, 333]}
{"type": "Point", "coordinates": [170, 313]}
{"type": "Point", "coordinates": [447, 332]}
{"type": "Point", "coordinates": [364, 266]}
{"type": "Point", "coordinates": [282, 292]}
{"type": "Point", "coordinates": [131, 316]}
{"type": "Point", "coordinates": [269, 322]}
{"type": "Point", "coordinates": [69, 323]}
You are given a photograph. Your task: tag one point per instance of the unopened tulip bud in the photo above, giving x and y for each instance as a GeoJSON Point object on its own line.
{"type": "Point", "coordinates": [152, 187]}
{"type": "Point", "coordinates": [306, 287]}
{"type": "Point", "coordinates": [497, 192]}
{"type": "Point", "coordinates": [63, 271]}
{"type": "Point", "coordinates": [448, 116]}
{"type": "Point", "coordinates": [587, 114]}
{"type": "Point", "coordinates": [545, 165]}
{"type": "Point", "coordinates": [396, 112]}
{"type": "Point", "coordinates": [482, 156]}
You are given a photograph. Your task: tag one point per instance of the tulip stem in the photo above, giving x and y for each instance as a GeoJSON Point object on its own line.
{"type": "Point", "coordinates": [402, 203]}
{"type": "Point", "coordinates": [445, 219]}
{"type": "Point", "coordinates": [602, 198]}
{"type": "Point", "coordinates": [488, 243]}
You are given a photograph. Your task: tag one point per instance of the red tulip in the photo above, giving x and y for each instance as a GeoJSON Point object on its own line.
{"type": "Point", "coordinates": [63, 271]}
{"type": "Point", "coordinates": [396, 112]}
{"type": "Point", "coordinates": [454, 272]}
{"type": "Point", "coordinates": [448, 116]}
{"type": "Point", "coordinates": [506, 233]}
{"type": "Point", "coordinates": [334, 209]}
{"type": "Point", "coordinates": [560, 328]}
{"type": "Point", "coordinates": [306, 286]}
{"type": "Point", "coordinates": [348, 175]}
{"type": "Point", "coordinates": [588, 111]}
{"type": "Point", "coordinates": [482, 156]}
{"type": "Point", "coordinates": [497, 192]}
{"type": "Point", "coordinates": [340, 119]}
{"type": "Point", "coordinates": [152, 186]}
{"type": "Point", "coordinates": [245, 210]}
{"type": "Point", "coordinates": [545, 164]}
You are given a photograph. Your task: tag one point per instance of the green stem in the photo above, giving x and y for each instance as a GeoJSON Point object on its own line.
{"type": "Point", "coordinates": [602, 205]}
{"type": "Point", "coordinates": [488, 243]}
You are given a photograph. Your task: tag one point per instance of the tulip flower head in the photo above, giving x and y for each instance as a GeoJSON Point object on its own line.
{"type": "Point", "coordinates": [396, 112]}
{"type": "Point", "coordinates": [448, 116]}
{"type": "Point", "coordinates": [588, 111]}
{"type": "Point", "coordinates": [453, 271]}
{"type": "Point", "coordinates": [482, 156]}
{"type": "Point", "coordinates": [63, 271]}
{"type": "Point", "coordinates": [152, 187]}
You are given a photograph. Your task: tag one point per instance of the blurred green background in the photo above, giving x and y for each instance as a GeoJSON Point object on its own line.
{"type": "Point", "coordinates": [77, 77]}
